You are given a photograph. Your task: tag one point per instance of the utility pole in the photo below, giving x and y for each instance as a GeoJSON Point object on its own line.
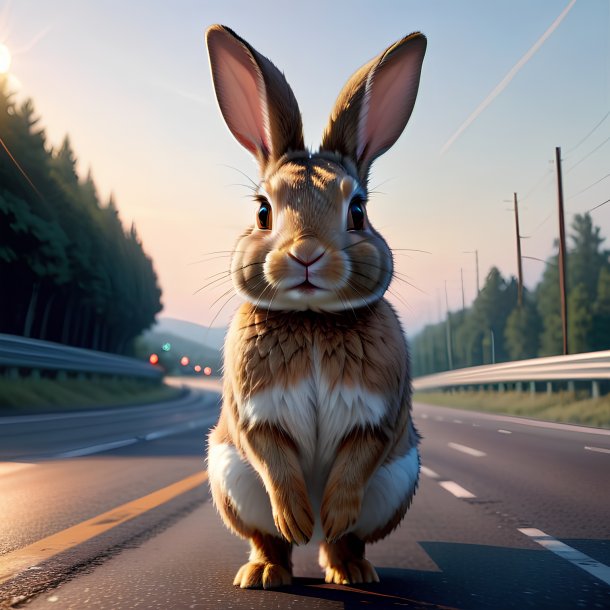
{"type": "Point", "coordinates": [476, 258]}
{"type": "Point", "coordinates": [562, 253]}
{"type": "Point", "coordinates": [449, 342]}
{"type": "Point", "coordinates": [519, 265]}
{"type": "Point", "coordinates": [463, 299]}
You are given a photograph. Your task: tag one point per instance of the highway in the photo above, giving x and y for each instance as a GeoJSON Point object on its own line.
{"type": "Point", "coordinates": [111, 510]}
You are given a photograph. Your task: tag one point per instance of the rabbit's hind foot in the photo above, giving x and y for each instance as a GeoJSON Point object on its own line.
{"type": "Point", "coordinates": [344, 562]}
{"type": "Point", "coordinates": [270, 565]}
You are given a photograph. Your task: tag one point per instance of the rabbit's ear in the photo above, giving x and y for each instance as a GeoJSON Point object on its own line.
{"type": "Point", "coordinates": [376, 103]}
{"type": "Point", "coordinates": [257, 103]}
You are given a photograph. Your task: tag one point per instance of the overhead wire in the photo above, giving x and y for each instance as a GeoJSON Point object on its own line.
{"type": "Point", "coordinates": [583, 140]}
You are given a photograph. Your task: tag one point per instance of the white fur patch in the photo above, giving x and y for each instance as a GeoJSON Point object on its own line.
{"type": "Point", "coordinates": [316, 417]}
{"type": "Point", "coordinates": [386, 491]}
{"type": "Point", "coordinates": [239, 481]}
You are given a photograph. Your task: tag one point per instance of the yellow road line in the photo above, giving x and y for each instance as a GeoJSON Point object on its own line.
{"type": "Point", "coordinates": [13, 563]}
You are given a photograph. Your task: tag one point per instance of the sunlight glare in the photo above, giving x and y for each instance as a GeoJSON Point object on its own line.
{"type": "Point", "coordinates": [5, 59]}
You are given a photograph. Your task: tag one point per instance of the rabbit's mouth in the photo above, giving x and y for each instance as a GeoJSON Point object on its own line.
{"type": "Point", "coordinates": [307, 287]}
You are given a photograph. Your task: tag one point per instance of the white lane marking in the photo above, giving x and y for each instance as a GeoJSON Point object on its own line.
{"type": "Point", "coordinates": [177, 429]}
{"type": "Point", "coordinates": [424, 416]}
{"type": "Point", "coordinates": [429, 472]}
{"type": "Point", "coordinates": [10, 467]}
{"type": "Point", "coordinates": [439, 418]}
{"type": "Point", "coordinates": [97, 448]}
{"type": "Point", "coordinates": [457, 421]}
{"type": "Point", "coordinates": [467, 450]}
{"type": "Point", "coordinates": [586, 563]}
{"type": "Point", "coordinates": [504, 431]}
{"type": "Point", "coordinates": [457, 490]}
{"type": "Point", "coordinates": [597, 449]}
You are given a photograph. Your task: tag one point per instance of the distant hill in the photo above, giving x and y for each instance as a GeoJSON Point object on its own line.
{"type": "Point", "coordinates": [212, 337]}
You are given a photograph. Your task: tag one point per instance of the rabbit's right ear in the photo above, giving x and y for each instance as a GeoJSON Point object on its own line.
{"type": "Point", "coordinates": [256, 102]}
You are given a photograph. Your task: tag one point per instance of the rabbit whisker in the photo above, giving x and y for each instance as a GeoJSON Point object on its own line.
{"type": "Point", "coordinates": [223, 306]}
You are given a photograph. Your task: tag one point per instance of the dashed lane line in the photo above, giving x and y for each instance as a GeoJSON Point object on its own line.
{"type": "Point", "coordinates": [429, 472]}
{"type": "Point", "coordinates": [451, 486]}
{"type": "Point", "coordinates": [467, 450]}
{"type": "Point", "coordinates": [27, 557]}
{"type": "Point", "coordinates": [575, 557]}
{"type": "Point", "coordinates": [100, 448]}
{"type": "Point", "coordinates": [457, 490]}
{"type": "Point", "coordinates": [597, 449]}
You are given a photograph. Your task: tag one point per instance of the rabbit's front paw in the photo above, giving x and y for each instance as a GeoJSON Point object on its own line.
{"type": "Point", "coordinates": [340, 511]}
{"type": "Point", "coordinates": [294, 518]}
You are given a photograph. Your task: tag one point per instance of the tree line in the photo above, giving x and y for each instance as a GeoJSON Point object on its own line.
{"type": "Point", "coordinates": [69, 271]}
{"type": "Point", "coordinates": [496, 329]}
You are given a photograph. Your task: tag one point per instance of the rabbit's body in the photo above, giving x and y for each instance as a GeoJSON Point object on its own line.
{"type": "Point", "coordinates": [319, 381]}
{"type": "Point", "coordinates": [315, 438]}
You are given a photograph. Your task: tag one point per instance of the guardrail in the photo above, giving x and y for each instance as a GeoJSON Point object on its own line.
{"type": "Point", "coordinates": [33, 354]}
{"type": "Point", "coordinates": [592, 366]}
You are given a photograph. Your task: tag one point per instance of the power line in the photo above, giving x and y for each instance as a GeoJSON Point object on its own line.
{"type": "Point", "coordinates": [599, 205]}
{"type": "Point", "coordinates": [589, 134]}
{"type": "Point", "coordinates": [588, 154]}
{"type": "Point", "coordinates": [588, 187]}
{"type": "Point", "coordinates": [539, 182]}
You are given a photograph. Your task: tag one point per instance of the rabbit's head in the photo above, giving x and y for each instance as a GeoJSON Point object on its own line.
{"type": "Point", "coordinates": [311, 245]}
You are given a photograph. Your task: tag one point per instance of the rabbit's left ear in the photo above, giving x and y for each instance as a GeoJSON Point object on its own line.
{"type": "Point", "coordinates": [374, 106]}
{"type": "Point", "coordinates": [256, 102]}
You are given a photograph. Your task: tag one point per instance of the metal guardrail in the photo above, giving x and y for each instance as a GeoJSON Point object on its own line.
{"type": "Point", "coordinates": [21, 353]}
{"type": "Point", "coordinates": [592, 366]}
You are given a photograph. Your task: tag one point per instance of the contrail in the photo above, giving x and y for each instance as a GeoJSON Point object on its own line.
{"type": "Point", "coordinates": [511, 74]}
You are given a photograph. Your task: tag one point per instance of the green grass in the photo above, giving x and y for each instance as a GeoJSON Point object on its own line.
{"type": "Point", "coordinates": [52, 395]}
{"type": "Point", "coordinates": [565, 407]}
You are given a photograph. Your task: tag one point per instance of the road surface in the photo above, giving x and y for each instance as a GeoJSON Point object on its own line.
{"type": "Point", "coordinates": [112, 511]}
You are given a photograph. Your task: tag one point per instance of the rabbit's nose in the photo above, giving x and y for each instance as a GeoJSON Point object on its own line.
{"type": "Point", "coordinates": [306, 251]}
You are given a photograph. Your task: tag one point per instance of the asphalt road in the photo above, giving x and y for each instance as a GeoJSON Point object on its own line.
{"type": "Point", "coordinates": [499, 500]}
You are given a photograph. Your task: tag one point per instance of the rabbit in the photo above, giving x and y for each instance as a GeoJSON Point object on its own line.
{"type": "Point", "coordinates": [315, 439]}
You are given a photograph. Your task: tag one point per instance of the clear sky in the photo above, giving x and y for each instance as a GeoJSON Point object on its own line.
{"type": "Point", "coordinates": [129, 82]}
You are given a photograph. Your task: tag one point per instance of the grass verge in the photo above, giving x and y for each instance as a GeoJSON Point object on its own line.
{"type": "Point", "coordinates": [566, 407]}
{"type": "Point", "coordinates": [20, 396]}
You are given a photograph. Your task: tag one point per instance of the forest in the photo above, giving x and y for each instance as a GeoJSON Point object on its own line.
{"type": "Point", "coordinates": [69, 271]}
{"type": "Point", "coordinates": [496, 329]}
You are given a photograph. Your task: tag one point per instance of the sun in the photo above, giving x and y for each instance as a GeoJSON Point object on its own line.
{"type": "Point", "coordinates": [5, 59]}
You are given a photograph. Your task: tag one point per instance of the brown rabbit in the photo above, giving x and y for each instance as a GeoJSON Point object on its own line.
{"type": "Point", "coordinates": [315, 439]}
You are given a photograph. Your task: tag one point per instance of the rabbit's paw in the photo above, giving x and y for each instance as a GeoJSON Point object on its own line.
{"type": "Point", "coordinates": [340, 511]}
{"type": "Point", "coordinates": [352, 572]}
{"type": "Point", "coordinates": [262, 575]}
{"type": "Point", "coordinates": [295, 521]}
{"type": "Point", "coordinates": [293, 516]}
{"type": "Point", "coordinates": [344, 563]}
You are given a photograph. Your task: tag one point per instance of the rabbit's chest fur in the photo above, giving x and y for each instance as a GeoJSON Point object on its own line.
{"type": "Point", "coordinates": [317, 377]}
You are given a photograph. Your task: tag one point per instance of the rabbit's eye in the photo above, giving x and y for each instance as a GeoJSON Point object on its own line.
{"type": "Point", "coordinates": [263, 216]}
{"type": "Point", "coordinates": [355, 214]}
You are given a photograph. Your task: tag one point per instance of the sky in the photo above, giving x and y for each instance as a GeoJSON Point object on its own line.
{"type": "Point", "coordinates": [130, 83]}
